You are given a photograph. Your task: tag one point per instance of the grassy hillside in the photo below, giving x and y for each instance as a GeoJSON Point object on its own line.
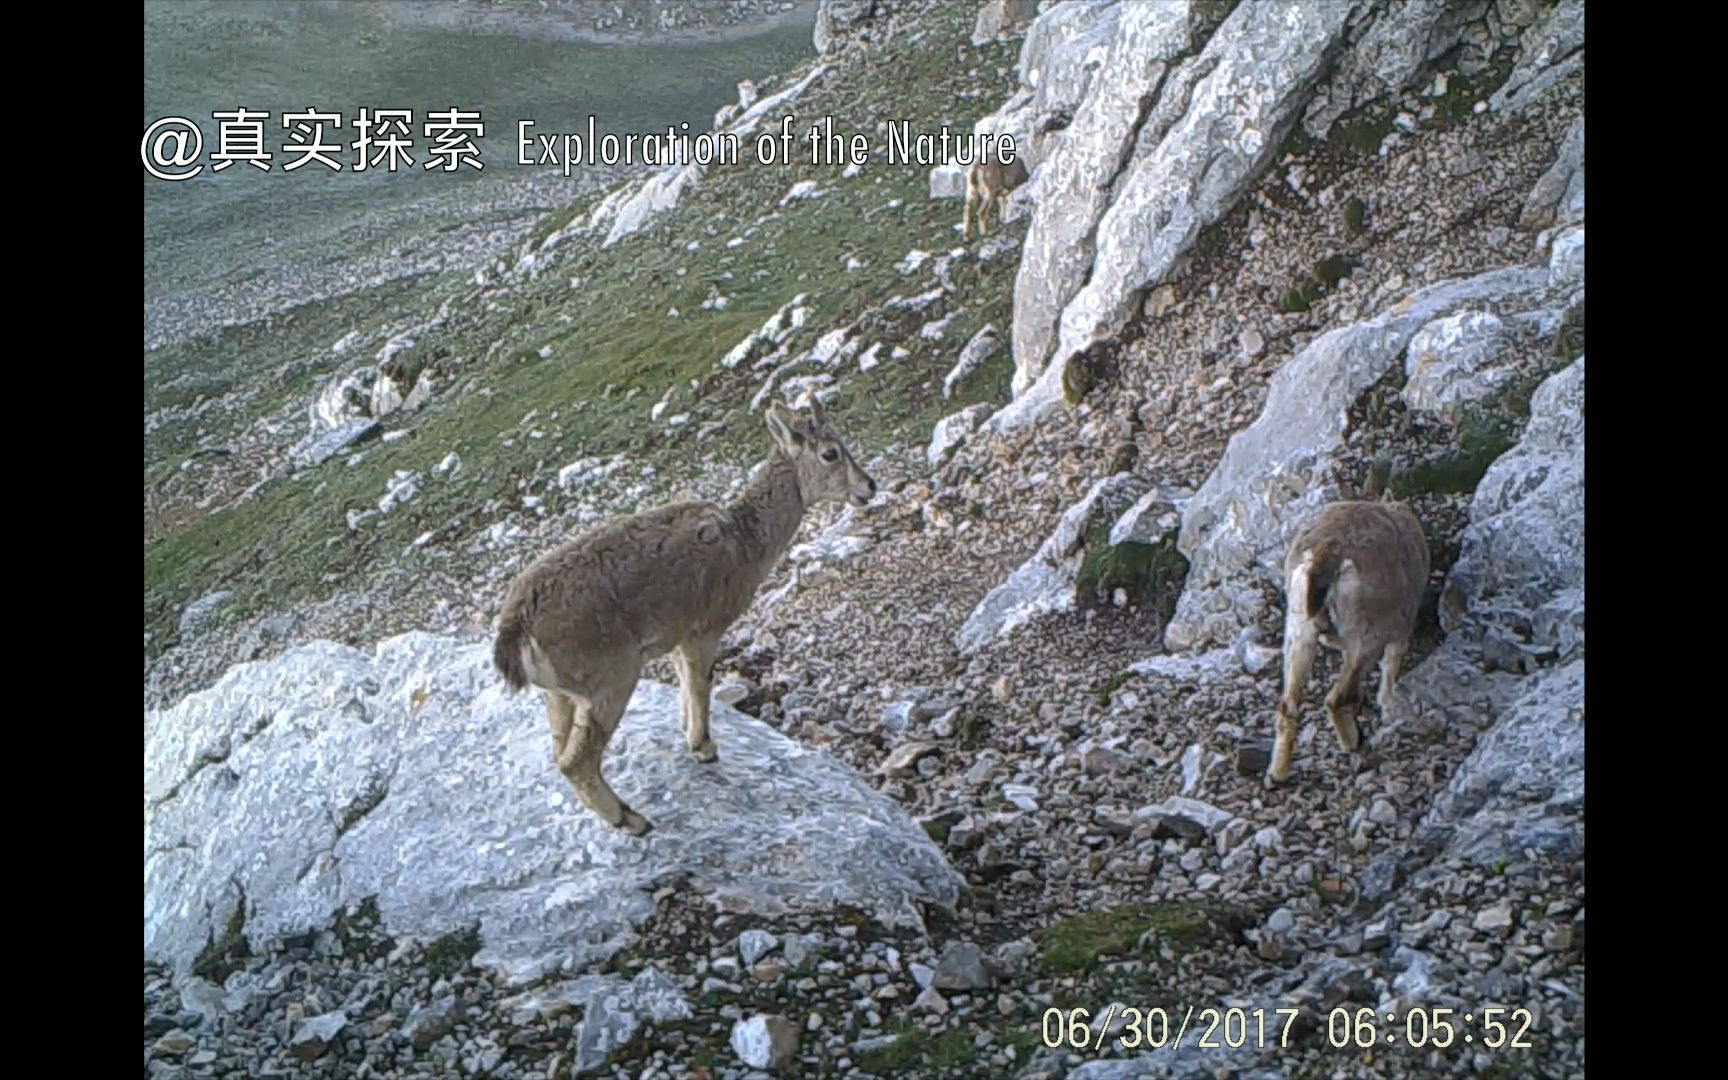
{"type": "Point", "coordinates": [582, 366]}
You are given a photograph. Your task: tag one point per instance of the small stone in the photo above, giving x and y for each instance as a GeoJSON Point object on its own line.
{"type": "Point", "coordinates": [1281, 922]}
{"type": "Point", "coordinates": [800, 949]}
{"type": "Point", "coordinates": [961, 967]}
{"type": "Point", "coordinates": [175, 1043]}
{"type": "Point", "coordinates": [732, 691]}
{"type": "Point", "coordinates": [767, 971]}
{"type": "Point", "coordinates": [314, 1036]}
{"type": "Point", "coordinates": [1498, 917]}
{"type": "Point", "coordinates": [204, 998]}
{"type": "Point", "coordinates": [1377, 934]}
{"type": "Point", "coordinates": [1383, 813]}
{"type": "Point", "coordinates": [896, 716]}
{"type": "Point", "coordinates": [931, 1001]}
{"type": "Point", "coordinates": [1100, 760]}
{"type": "Point", "coordinates": [1114, 822]}
{"type": "Point", "coordinates": [1253, 756]}
{"type": "Point", "coordinates": [1193, 768]}
{"type": "Point", "coordinates": [1559, 939]}
{"type": "Point", "coordinates": [427, 1025]}
{"type": "Point", "coordinates": [903, 761]}
{"type": "Point", "coordinates": [753, 945]}
{"type": "Point", "coordinates": [1183, 818]}
{"type": "Point", "coordinates": [766, 1042]}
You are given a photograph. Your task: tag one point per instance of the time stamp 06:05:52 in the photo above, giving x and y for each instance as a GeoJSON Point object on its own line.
{"type": "Point", "coordinates": [1493, 1027]}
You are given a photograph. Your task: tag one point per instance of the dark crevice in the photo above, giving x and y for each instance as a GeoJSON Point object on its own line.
{"type": "Point", "coordinates": [207, 759]}
{"type": "Point", "coordinates": [367, 801]}
{"type": "Point", "coordinates": [218, 757]}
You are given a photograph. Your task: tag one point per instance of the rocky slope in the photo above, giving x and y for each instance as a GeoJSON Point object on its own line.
{"type": "Point", "coordinates": [1274, 242]}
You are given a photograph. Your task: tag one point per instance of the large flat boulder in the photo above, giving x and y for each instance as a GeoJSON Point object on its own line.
{"type": "Point", "coordinates": [298, 786]}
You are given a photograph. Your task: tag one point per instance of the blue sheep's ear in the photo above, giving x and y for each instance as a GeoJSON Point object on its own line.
{"type": "Point", "coordinates": [783, 425]}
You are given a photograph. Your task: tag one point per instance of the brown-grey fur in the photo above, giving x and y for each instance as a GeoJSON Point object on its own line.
{"type": "Point", "coordinates": [988, 182]}
{"type": "Point", "coordinates": [1354, 579]}
{"type": "Point", "coordinates": [582, 620]}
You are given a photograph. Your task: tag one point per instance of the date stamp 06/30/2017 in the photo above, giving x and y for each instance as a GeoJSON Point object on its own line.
{"type": "Point", "coordinates": [1129, 1029]}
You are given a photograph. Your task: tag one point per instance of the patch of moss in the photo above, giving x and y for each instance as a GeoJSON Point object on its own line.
{"type": "Point", "coordinates": [1148, 573]}
{"type": "Point", "coordinates": [452, 952]}
{"type": "Point", "coordinates": [1300, 298]}
{"type": "Point", "coordinates": [225, 953]}
{"type": "Point", "coordinates": [973, 724]}
{"type": "Point", "coordinates": [937, 829]}
{"type": "Point", "coordinates": [1333, 269]}
{"type": "Point", "coordinates": [916, 1049]}
{"type": "Point", "coordinates": [953, 1049]}
{"type": "Point", "coordinates": [1458, 103]}
{"type": "Point", "coordinates": [906, 1051]}
{"type": "Point", "coordinates": [1569, 342]}
{"type": "Point", "coordinates": [1504, 1069]}
{"type": "Point", "coordinates": [1485, 429]}
{"type": "Point", "coordinates": [1077, 380]}
{"type": "Point", "coordinates": [1079, 942]}
{"type": "Point", "coordinates": [857, 918]}
{"type": "Point", "coordinates": [1111, 685]}
{"type": "Point", "coordinates": [1483, 435]}
{"type": "Point", "coordinates": [1297, 143]}
{"type": "Point", "coordinates": [1024, 1041]}
{"type": "Point", "coordinates": [1355, 216]}
{"type": "Point", "coordinates": [356, 929]}
{"type": "Point", "coordinates": [1363, 134]}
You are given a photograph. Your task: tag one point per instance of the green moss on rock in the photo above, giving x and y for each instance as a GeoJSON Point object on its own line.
{"type": "Point", "coordinates": [1300, 298]}
{"type": "Point", "coordinates": [452, 952]}
{"type": "Point", "coordinates": [1486, 430]}
{"type": "Point", "coordinates": [1148, 573]}
{"type": "Point", "coordinates": [1333, 269]}
{"type": "Point", "coordinates": [1079, 942]}
{"type": "Point", "coordinates": [1569, 342]}
{"type": "Point", "coordinates": [1355, 216]}
{"type": "Point", "coordinates": [226, 951]}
